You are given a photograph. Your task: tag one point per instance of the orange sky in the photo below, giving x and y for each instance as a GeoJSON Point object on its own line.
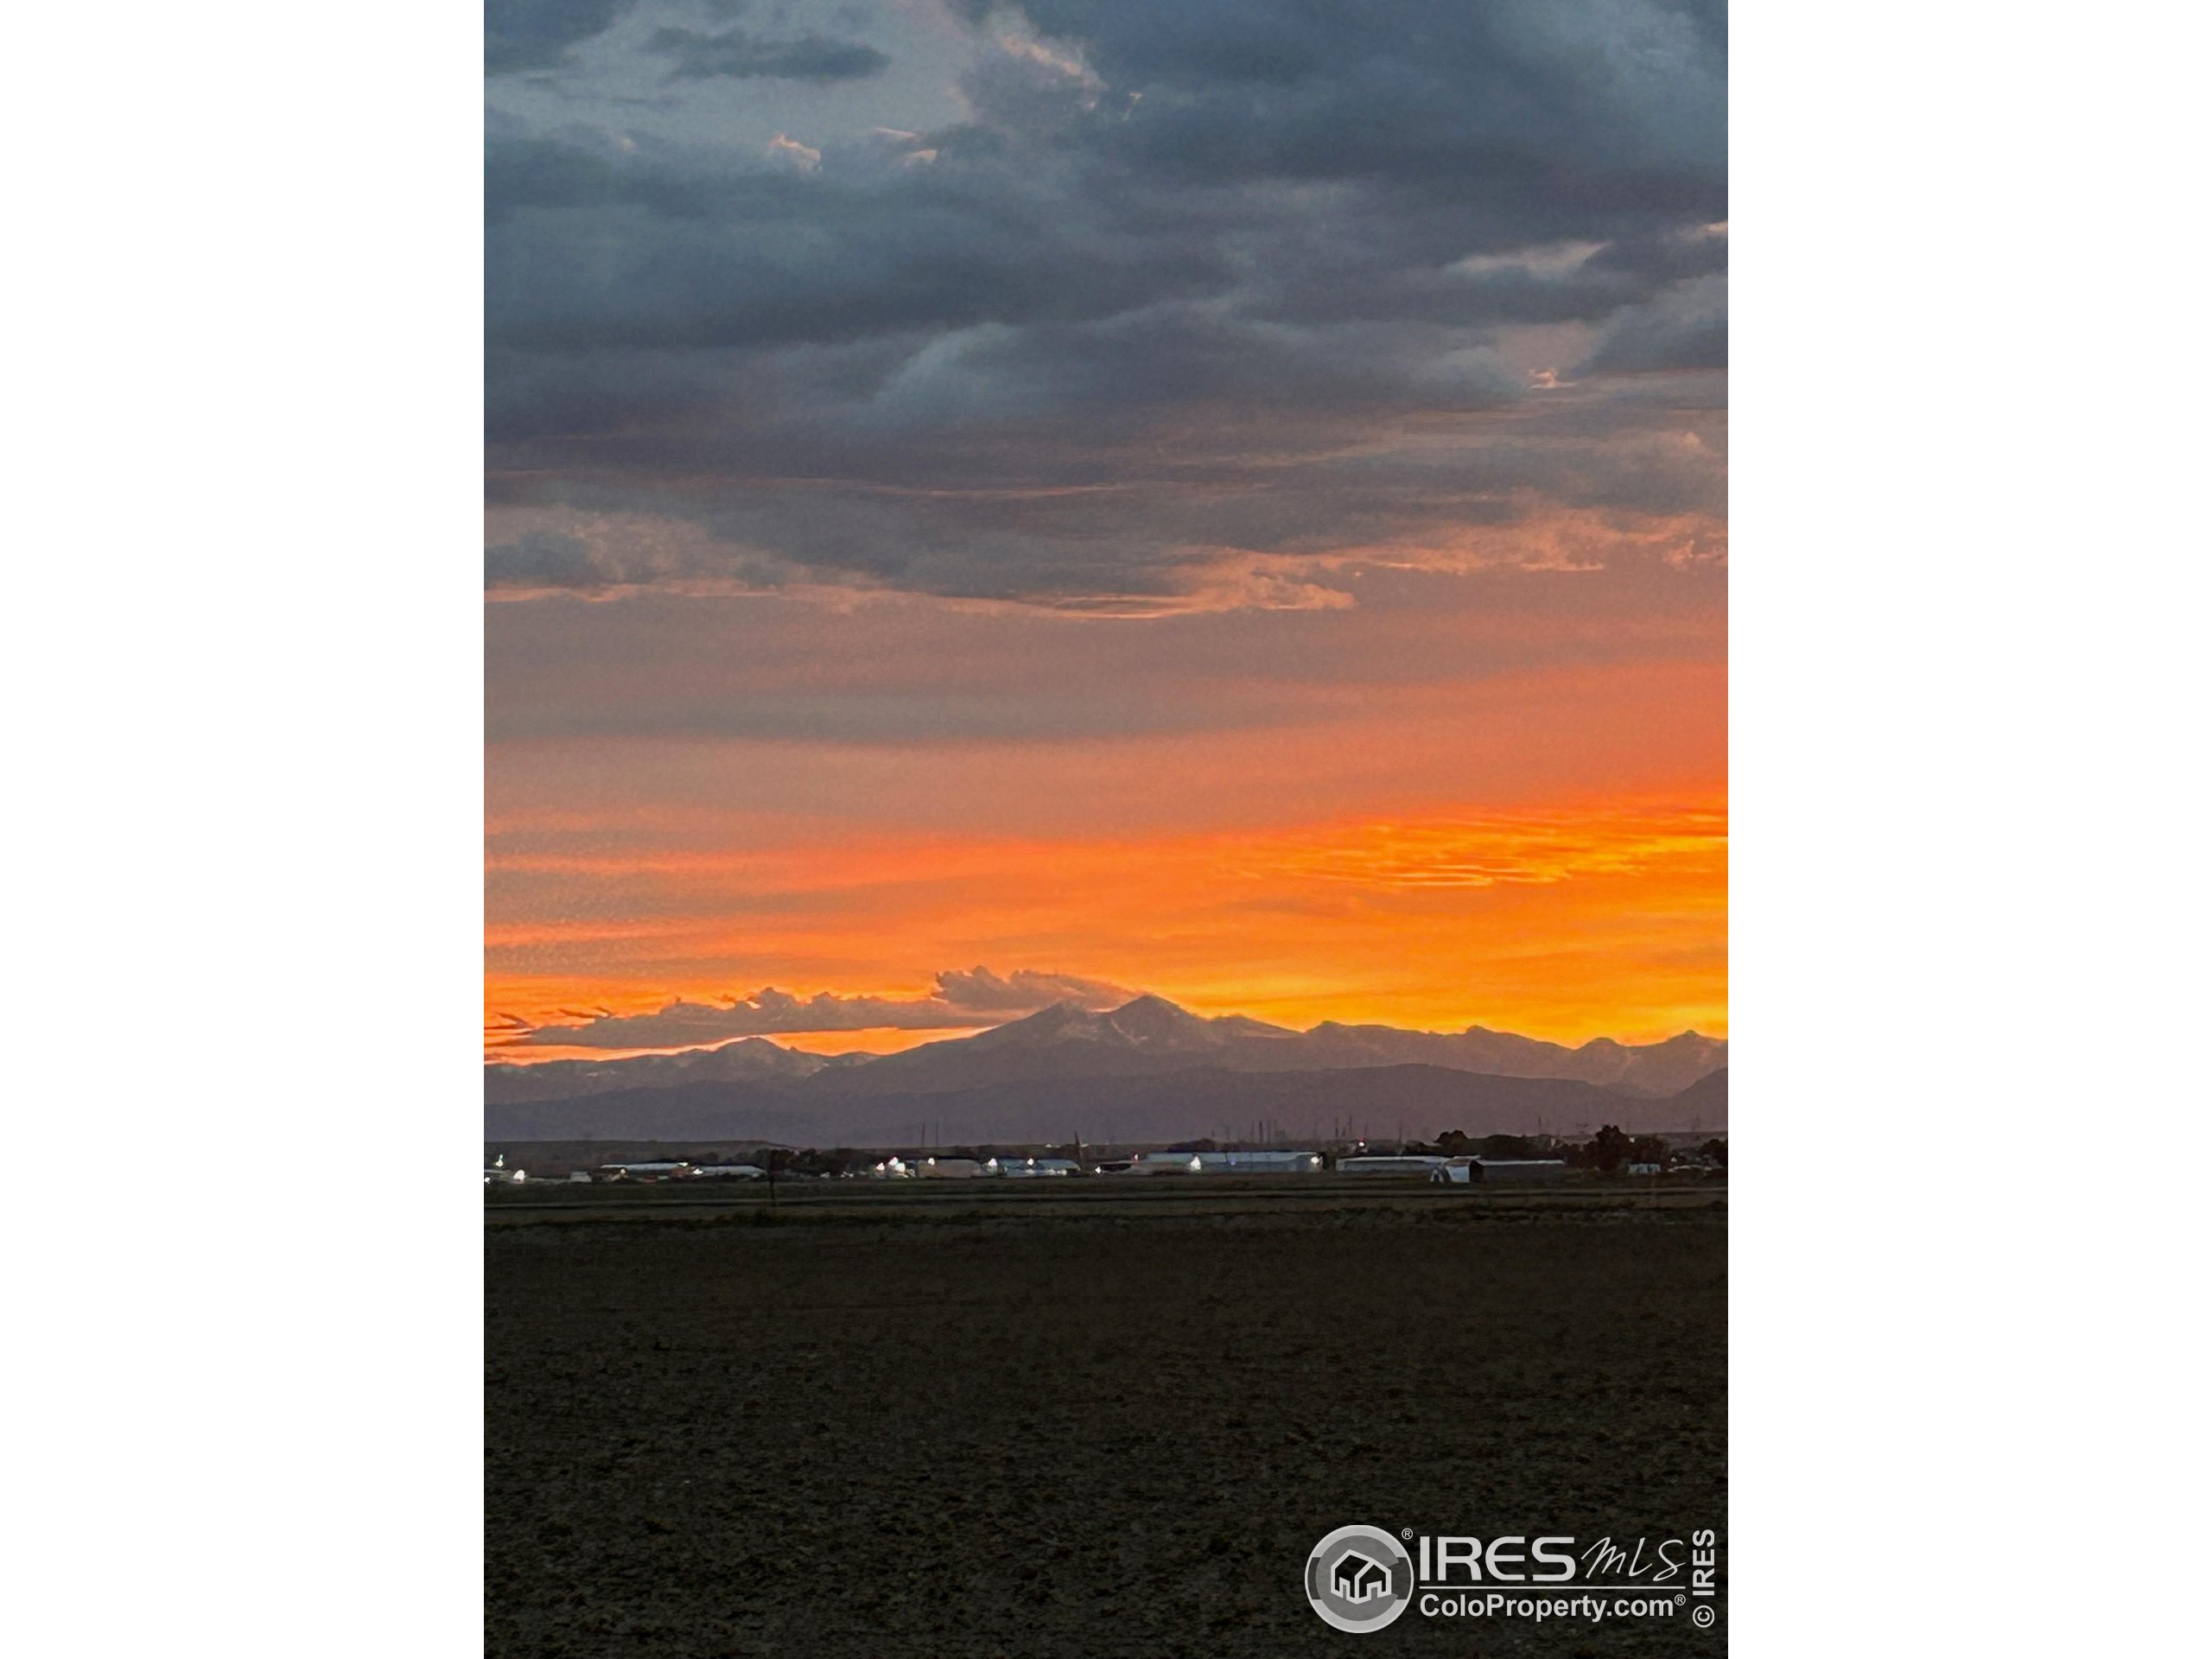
{"type": "Point", "coordinates": [1567, 922]}
{"type": "Point", "coordinates": [1459, 803]}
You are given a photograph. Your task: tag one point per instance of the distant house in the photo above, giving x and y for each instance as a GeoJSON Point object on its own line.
{"type": "Point", "coordinates": [1647, 1169]}
{"type": "Point", "coordinates": [1356, 1578]}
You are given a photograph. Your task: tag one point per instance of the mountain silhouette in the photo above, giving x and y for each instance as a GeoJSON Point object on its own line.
{"type": "Point", "coordinates": [1147, 1069]}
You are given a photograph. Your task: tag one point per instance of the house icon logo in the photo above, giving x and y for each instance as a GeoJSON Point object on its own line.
{"type": "Point", "coordinates": [1359, 1579]}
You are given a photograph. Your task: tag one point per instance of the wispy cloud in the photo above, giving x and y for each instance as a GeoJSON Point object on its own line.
{"type": "Point", "coordinates": [1487, 852]}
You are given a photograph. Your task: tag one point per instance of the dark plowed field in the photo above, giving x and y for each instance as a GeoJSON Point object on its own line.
{"type": "Point", "coordinates": [1051, 1433]}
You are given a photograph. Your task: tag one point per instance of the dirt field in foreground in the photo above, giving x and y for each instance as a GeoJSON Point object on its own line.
{"type": "Point", "coordinates": [1089, 1435]}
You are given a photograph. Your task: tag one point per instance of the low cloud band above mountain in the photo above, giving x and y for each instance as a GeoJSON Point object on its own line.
{"type": "Point", "coordinates": [961, 1001]}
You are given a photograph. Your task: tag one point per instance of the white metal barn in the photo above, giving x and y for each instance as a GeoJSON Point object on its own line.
{"type": "Point", "coordinates": [948, 1169]}
{"type": "Point", "coordinates": [1167, 1163]}
{"type": "Point", "coordinates": [652, 1170]}
{"type": "Point", "coordinates": [1391, 1163]}
{"type": "Point", "coordinates": [1259, 1163]}
{"type": "Point", "coordinates": [1486, 1170]}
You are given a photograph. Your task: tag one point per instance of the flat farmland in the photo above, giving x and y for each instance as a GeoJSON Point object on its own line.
{"type": "Point", "coordinates": [1079, 1425]}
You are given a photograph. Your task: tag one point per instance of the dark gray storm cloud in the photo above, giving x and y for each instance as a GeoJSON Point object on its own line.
{"type": "Point", "coordinates": [1686, 327]}
{"type": "Point", "coordinates": [1551, 105]}
{"type": "Point", "coordinates": [522, 35]}
{"type": "Point", "coordinates": [1194, 286]}
{"type": "Point", "coordinates": [740, 55]}
{"type": "Point", "coordinates": [540, 559]}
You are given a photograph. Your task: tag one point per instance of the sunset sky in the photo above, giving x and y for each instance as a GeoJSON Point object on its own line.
{"type": "Point", "coordinates": [989, 504]}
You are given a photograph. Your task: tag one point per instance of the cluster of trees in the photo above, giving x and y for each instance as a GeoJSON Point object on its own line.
{"type": "Point", "coordinates": [1453, 1144]}
{"type": "Point", "coordinates": [1612, 1149]}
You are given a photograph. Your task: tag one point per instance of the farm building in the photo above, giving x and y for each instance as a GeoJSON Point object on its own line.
{"type": "Point", "coordinates": [1491, 1172]}
{"type": "Point", "coordinates": [948, 1169]}
{"type": "Point", "coordinates": [655, 1170]}
{"type": "Point", "coordinates": [1167, 1163]}
{"type": "Point", "coordinates": [1150, 1163]}
{"type": "Point", "coordinates": [1259, 1163]}
{"type": "Point", "coordinates": [1027, 1168]}
{"type": "Point", "coordinates": [1385, 1164]}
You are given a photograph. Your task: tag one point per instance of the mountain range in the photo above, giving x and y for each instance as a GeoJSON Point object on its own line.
{"type": "Point", "coordinates": [1146, 1071]}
